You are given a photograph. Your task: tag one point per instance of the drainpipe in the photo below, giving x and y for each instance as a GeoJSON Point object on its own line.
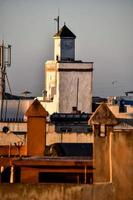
{"type": "Point", "coordinates": [110, 155]}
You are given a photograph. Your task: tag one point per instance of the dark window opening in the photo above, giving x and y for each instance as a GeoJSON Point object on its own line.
{"type": "Point", "coordinates": [65, 178]}
{"type": "Point", "coordinates": [17, 175]}
{"type": "Point", "coordinates": [122, 107]}
{"type": "Point", "coordinates": [5, 175]}
{"type": "Point", "coordinates": [5, 129]}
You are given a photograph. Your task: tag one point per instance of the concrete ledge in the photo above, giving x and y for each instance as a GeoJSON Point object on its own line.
{"type": "Point", "coordinates": [56, 192]}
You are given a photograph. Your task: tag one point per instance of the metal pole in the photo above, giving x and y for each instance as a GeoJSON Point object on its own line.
{"type": "Point", "coordinates": [58, 21]}
{"type": "Point", "coordinates": [6, 110]}
{"type": "Point", "coordinates": [77, 93]}
{"type": "Point", "coordinates": [18, 110]}
{"type": "Point", "coordinates": [9, 55]}
{"type": "Point", "coordinates": [85, 175]}
{"type": "Point", "coordinates": [2, 86]}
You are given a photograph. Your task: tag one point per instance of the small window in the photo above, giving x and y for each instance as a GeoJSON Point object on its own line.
{"type": "Point", "coordinates": [122, 107]}
{"type": "Point", "coordinates": [102, 132]}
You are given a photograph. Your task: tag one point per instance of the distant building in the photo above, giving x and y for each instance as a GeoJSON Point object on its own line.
{"type": "Point", "coordinates": [13, 117]}
{"type": "Point", "coordinates": [121, 100]}
{"type": "Point", "coordinates": [68, 82]}
{"type": "Point", "coordinates": [121, 105]}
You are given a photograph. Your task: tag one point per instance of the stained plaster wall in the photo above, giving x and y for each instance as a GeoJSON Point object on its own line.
{"type": "Point", "coordinates": [101, 158]}
{"type": "Point", "coordinates": [113, 162]}
{"type": "Point", "coordinates": [122, 164]}
{"type": "Point", "coordinates": [67, 86]}
{"type": "Point", "coordinates": [53, 137]}
{"type": "Point", "coordinates": [56, 192]}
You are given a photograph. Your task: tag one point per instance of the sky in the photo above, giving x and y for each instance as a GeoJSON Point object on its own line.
{"type": "Point", "coordinates": [104, 30]}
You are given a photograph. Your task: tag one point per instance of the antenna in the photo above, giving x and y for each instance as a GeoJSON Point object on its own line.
{"type": "Point", "coordinates": [5, 61]}
{"type": "Point", "coordinates": [113, 83]}
{"type": "Point", "coordinates": [77, 93]}
{"type": "Point", "coordinates": [58, 21]}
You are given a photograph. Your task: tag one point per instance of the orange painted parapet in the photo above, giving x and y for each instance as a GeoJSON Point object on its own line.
{"type": "Point", "coordinates": [7, 162]}
{"type": "Point", "coordinates": [36, 129]}
{"type": "Point", "coordinates": [33, 169]}
{"type": "Point", "coordinates": [13, 150]}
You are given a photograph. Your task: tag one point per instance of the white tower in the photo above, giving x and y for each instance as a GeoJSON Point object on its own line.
{"type": "Point", "coordinates": [68, 82]}
{"type": "Point", "coordinates": [64, 45]}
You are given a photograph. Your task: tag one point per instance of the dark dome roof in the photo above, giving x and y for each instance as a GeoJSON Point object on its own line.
{"type": "Point", "coordinates": [65, 32]}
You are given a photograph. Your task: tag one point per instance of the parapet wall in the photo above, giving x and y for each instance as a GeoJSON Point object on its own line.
{"type": "Point", "coordinates": [56, 192]}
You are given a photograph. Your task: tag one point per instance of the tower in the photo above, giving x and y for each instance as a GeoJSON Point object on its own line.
{"type": "Point", "coordinates": [64, 45]}
{"type": "Point", "coordinates": [68, 81]}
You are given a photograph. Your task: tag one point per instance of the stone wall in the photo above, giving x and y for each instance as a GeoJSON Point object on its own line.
{"type": "Point", "coordinates": [56, 192]}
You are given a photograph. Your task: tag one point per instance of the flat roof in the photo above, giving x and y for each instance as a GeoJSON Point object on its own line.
{"type": "Point", "coordinates": [54, 161]}
{"type": "Point", "coordinates": [74, 61]}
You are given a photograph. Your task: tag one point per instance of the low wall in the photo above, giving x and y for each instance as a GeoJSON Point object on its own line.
{"type": "Point", "coordinates": [56, 192]}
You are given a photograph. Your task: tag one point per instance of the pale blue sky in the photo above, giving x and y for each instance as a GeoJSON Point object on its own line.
{"type": "Point", "coordinates": [104, 30]}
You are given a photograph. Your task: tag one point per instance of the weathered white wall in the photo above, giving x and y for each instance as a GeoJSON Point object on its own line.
{"type": "Point", "coordinates": [57, 48]}
{"type": "Point", "coordinates": [53, 137]}
{"type": "Point", "coordinates": [50, 78]}
{"type": "Point", "coordinates": [68, 87]}
{"type": "Point", "coordinates": [14, 126]}
{"type": "Point", "coordinates": [51, 106]}
{"type": "Point", "coordinates": [65, 86]}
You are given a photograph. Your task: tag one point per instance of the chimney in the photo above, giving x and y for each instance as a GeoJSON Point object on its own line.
{"type": "Point", "coordinates": [36, 129]}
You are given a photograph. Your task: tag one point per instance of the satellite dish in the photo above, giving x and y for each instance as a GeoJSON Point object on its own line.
{"type": "Point", "coordinates": [26, 92]}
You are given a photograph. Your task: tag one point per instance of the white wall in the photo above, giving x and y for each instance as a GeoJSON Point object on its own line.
{"type": "Point", "coordinates": [68, 87]}
{"type": "Point", "coordinates": [53, 137]}
{"type": "Point", "coordinates": [50, 77]}
{"type": "Point", "coordinates": [57, 48]}
{"type": "Point", "coordinates": [65, 83]}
